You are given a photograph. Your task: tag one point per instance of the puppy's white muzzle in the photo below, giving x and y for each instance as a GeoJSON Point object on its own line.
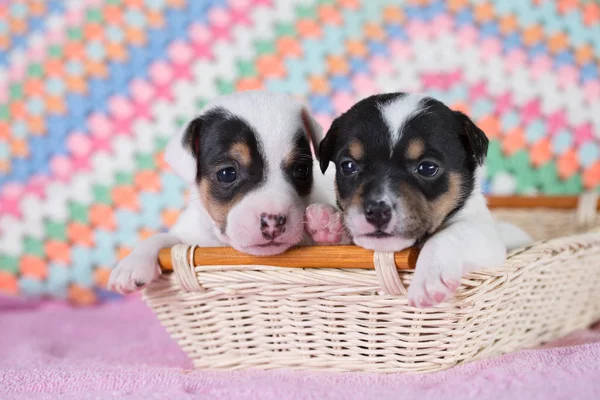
{"type": "Point", "coordinates": [266, 222]}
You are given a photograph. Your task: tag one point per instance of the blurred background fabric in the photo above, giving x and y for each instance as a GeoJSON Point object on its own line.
{"type": "Point", "coordinates": [90, 92]}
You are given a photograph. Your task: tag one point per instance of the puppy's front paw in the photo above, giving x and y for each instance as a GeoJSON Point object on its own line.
{"type": "Point", "coordinates": [133, 273]}
{"type": "Point", "coordinates": [436, 278]}
{"type": "Point", "coordinates": [324, 224]}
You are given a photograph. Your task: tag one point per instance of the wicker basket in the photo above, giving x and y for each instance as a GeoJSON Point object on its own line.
{"type": "Point", "coordinates": [358, 319]}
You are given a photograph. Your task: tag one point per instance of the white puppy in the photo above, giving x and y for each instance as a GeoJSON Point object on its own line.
{"type": "Point", "coordinates": [408, 172]}
{"type": "Point", "coordinates": [247, 158]}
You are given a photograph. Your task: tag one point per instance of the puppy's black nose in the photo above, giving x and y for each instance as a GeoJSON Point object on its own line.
{"type": "Point", "coordinates": [272, 225]}
{"type": "Point", "coordinates": [378, 213]}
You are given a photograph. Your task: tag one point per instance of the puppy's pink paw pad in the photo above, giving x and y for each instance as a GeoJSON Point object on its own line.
{"type": "Point", "coordinates": [424, 303]}
{"type": "Point", "coordinates": [439, 297]}
{"type": "Point", "coordinates": [452, 284]}
{"type": "Point", "coordinates": [319, 216]}
{"type": "Point", "coordinates": [324, 218]}
{"type": "Point", "coordinates": [322, 237]}
{"type": "Point", "coordinates": [334, 237]}
{"type": "Point", "coordinates": [324, 224]}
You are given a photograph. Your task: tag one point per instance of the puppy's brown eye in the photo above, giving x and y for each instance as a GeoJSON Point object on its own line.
{"type": "Point", "coordinates": [349, 167]}
{"type": "Point", "coordinates": [227, 175]}
{"type": "Point", "coordinates": [300, 172]}
{"type": "Point", "coordinates": [428, 169]}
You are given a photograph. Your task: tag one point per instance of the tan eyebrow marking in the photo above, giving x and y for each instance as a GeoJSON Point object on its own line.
{"type": "Point", "coordinates": [357, 150]}
{"type": "Point", "coordinates": [415, 149]}
{"type": "Point", "coordinates": [241, 152]}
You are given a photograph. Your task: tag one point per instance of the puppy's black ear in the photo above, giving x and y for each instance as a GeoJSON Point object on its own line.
{"type": "Point", "coordinates": [327, 145]}
{"type": "Point", "coordinates": [182, 151]}
{"type": "Point", "coordinates": [191, 137]}
{"type": "Point", "coordinates": [473, 138]}
{"type": "Point", "coordinates": [191, 142]}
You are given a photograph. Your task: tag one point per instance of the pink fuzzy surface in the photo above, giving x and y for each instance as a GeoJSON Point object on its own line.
{"type": "Point", "coordinates": [119, 350]}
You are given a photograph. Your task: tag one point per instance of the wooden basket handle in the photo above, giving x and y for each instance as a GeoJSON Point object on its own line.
{"type": "Point", "coordinates": [298, 257]}
{"type": "Point", "coordinates": [348, 256]}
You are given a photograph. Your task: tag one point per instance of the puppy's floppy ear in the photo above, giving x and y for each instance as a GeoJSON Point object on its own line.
{"type": "Point", "coordinates": [474, 138]}
{"type": "Point", "coordinates": [327, 145]}
{"type": "Point", "coordinates": [313, 130]}
{"type": "Point", "coordinates": [182, 151]}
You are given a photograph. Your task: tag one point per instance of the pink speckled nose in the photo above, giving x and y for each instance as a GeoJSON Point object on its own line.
{"type": "Point", "coordinates": [272, 225]}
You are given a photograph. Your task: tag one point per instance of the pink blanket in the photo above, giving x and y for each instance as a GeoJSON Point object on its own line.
{"type": "Point", "coordinates": [119, 350]}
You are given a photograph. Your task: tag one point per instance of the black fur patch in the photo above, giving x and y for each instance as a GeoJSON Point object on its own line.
{"type": "Point", "coordinates": [473, 138]}
{"type": "Point", "coordinates": [210, 137]}
{"type": "Point", "coordinates": [302, 159]}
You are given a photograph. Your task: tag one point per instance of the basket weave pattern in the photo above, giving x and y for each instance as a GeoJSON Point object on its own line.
{"type": "Point", "coordinates": [234, 317]}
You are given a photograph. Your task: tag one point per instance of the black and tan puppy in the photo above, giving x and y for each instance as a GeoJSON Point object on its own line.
{"type": "Point", "coordinates": [408, 171]}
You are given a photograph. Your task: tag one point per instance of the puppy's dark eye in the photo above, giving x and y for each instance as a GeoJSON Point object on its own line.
{"type": "Point", "coordinates": [300, 172]}
{"type": "Point", "coordinates": [427, 169]}
{"type": "Point", "coordinates": [349, 167]}
{"type": "Point", "coordinates": [227, 175]}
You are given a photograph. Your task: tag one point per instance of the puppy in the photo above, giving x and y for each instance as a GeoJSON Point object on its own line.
{"type": "Point", "coordinates": [247, 158]}
{"type": "Point", "coordinates": [408, 172]}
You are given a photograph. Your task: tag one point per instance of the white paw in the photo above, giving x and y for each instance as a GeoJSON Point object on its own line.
{"type": "Point", "coordinates": [133, 273]}
{"type": "Point", "coordinates": [437, 276]}
{"type": "Point", "coordinates": [324, 224]}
